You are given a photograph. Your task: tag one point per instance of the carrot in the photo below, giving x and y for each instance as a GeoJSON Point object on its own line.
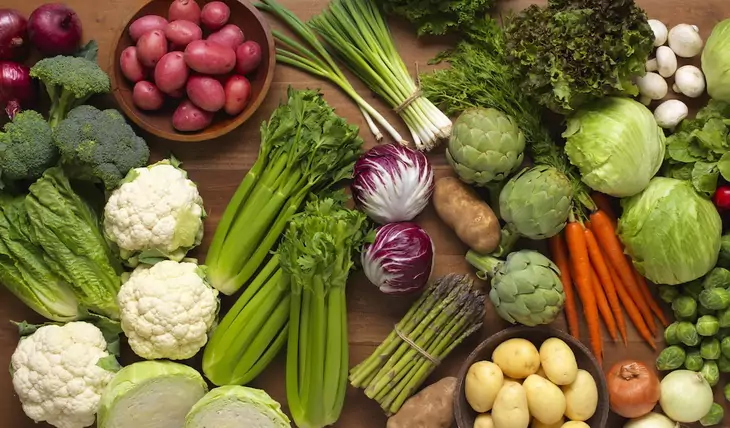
{"type": "Point", "coordinates": [560, 256]}
{"type": "Point", "coordinates": [606, 236]}
{"type": "Point", "coordinates": [603, 202]}
{"type": "Point", "coordinates": [631, 309]}
{"type": "Point", "coordinates": [578, 251]}
{"type": "Point", "coordinates": [644, 287]}
{"type": "Point", "coordinates": [603, 307]}
{"type": "Point", "coordinates": [601, 268]}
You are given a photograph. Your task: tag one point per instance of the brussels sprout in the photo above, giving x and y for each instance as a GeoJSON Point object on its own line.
{"type": "Point", "coordinates": [684, 307]}
{"type": "Point", "coordinates": [693, 361]}
{"type": "Point", "coordinates": [723, 364]}
{"type": "Point", "coordinates": [687, 334]}
{"type": "Point", "coordinates": [723, 318]}
{"type": "Point", "coordinates": [671, 358]}
{"type": "Point", "coordinates": [707, 326]}
{"type": "Point", "coordinates": [710, 372]}
{"type": "Point", "coordinates": [702, 311]}
{"type": "Point", "coordinates": [670, 334]}
{"type": "Point", "coordinates": [714, 416]}
{"type": "Point", "coordinates": [725, 346]}
{"type": "Point", "coordinates": [668, 293]}
{"type": "Point", "coordinates": [717, 278]}
{"type": "Point", "coordinates": [727, 392]}
{"type": "Point", "coordinates": [724, 258]}
{"type": "Point", "coordinates": [710, 348]}
{"type": "Point", "coordinates": [715, 298]}
{"type": "Point", "coordinates": [693, 289]}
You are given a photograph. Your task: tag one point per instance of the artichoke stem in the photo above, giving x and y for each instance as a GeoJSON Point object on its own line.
{"type": "Point", "coordinates": [494, 189]}
{"type": "Point", "coordinates": [485, 265]}
{"type": "Point", "coordinates": [507, 242]}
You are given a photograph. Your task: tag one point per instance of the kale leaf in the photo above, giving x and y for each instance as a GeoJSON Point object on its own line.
{"type": "Point", "coordinates": [438, 16]}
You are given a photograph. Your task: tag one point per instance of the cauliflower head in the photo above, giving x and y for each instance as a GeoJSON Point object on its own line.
{"type": "Point", "coordinates": [157, 213]}
{"type": "Point", "coordinates": [58, 373]}
{"type": "Point", "coordinates": [167, 310]}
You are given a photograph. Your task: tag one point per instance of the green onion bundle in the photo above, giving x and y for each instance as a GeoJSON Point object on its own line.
{"type": "Point", "coordinates": [357, 32]}
{"type": "Point", "coordinates": [449, 310]}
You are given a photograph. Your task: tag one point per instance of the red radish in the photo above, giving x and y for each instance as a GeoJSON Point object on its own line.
{"type": "Point", "coordinates": [171, 73]}
{"type": "Point", "coordinates": [146, 96]}
{"type": "Point", "coordinates": [184, 9]}
{"type": "Point", "coordinates": [182, 32]}
{"type": "Point", "coordinates": [151, 47]}
{"type": "Point", "coordinates": [145, 24]}
{"type": "Point", "coordinates": [248, 57]}
{"type": "Point", "coordinates": [17, 88]}
{"type": "Point", "coordinates": [230, 35]}
{"type": "Point", "coordinates": [722, 198]}
{"type": "Point", "coordinates": [215, 15]}
{"type": "Point", "coordinates": [13, 35]}
{"type": "Point", "coordinates": [132, 69]}
{"type": "Point", "coordinates": [238, 93]}
{"type": "Point", "coordinates": [188, 117]}
{"type": "Point", "coordinates": [206, 93]}
{"type": "Point", "coordinates": [54, 29]}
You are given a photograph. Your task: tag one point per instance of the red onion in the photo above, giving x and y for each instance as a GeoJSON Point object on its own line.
{"type": "Point", "coordinates": [17, 89]}
{"type": "Point", "coordinates": [13, 34]}
{"type": "Point", "coordinates": [392, 183]}
{"type": "Point", "coordinates": [55, 29]}
{"type": "Point", "coordinates": [400, 259]}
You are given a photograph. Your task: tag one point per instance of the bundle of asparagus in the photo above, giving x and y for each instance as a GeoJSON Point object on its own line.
{"type": "Point", "coordinates": [449, 310]}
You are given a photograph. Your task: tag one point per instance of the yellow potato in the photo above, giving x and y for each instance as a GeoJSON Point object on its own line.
{"type": "Point", "coordinates": [510, 407]}
{"type": "Point", "coordinates": [518, 358]}
{"type": "Point", "coordinates": [581, 397]}
{"type": "Point", "coordinates": [537, 424]}
{"type": "Point", "coordinates": [558, 361]}
{"type": "Point", "coordinates": [509, 379]}
{"type": "Point", "coordinates": [545, 401]}
{"type": "Point", "coordinates": [483, 381]}
{"type": "Point", "coordinates": [484, 421]}
{"type": "Point", "coordinates": [575, 424]}
{"type": "Point", "coordinates": [541, 372]}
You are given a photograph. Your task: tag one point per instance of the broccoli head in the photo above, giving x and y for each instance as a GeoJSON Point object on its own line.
{"type": "Point", "coordinates": [69, 81]}
{"type": "Point", "coordinates": [26, 147]}
{"type": "Point", "coordinates": [99, 145]}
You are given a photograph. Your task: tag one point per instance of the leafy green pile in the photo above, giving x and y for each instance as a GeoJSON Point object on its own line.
{"type": "Point", "coordinates": [699, 150]}
{"type": "Point", "coordinates": [438, 16]}
{"type": "Point", "coordinates": [575, 51]}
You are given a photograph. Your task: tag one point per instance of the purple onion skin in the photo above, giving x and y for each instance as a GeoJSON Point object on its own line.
{"type": "Point", "coordinates": [13, 35]}
{"type": "Point", "coordinates": [400, 259]}
{"type": "Point", "coordinates": [17, 88]}
{"type": "Point", "coordinates": [392, 183]}
{"type": "Point", "coordinates": [54, 29]}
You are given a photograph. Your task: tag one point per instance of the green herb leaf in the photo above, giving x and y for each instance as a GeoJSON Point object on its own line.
{"type": "Point", "coordinates": [704, 177]}
{"type": "Point", "coordinates": [723, 165]}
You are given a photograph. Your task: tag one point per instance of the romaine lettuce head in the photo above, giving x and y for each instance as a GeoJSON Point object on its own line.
{"type": "Point", "coordinates": [616, 144]}
{"type": "Point", "coordinates": [150, 394]}
{"type": "Point", "coordinates": [716, 62]}
{"type": "Point", "coordinates": [234, 407]}
{"type": "Point", "coordinates": [671, 232]}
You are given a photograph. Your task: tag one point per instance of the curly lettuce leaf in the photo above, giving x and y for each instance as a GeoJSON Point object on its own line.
{"type": "Point", "coordinates": [438, 16]}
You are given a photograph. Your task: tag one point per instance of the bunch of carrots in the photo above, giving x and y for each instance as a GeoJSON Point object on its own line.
{"type": "Point", "coordinates": [592, 262]}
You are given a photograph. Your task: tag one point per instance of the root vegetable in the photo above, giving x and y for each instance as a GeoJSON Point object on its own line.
{"type": "Point", "coordinates": [215, 15]}
{"type": "Point", "coordinates": [132, 69]}
{"type": "Point", "coordinates": [189, 118]}
{"type": "Point", "coordinates": [145, 24]}
{"type": "Point", "coordinates": [182, 32]}
{"type": "Point", "coordinates": [484, 421]}
{"type": "Point", "coordinates": [633, 388]}
{"type": "Point", "coordinates": [690, 81]}
{"type": "Point", "coordinates": [433, 407]}
{"type": "Point", "coordinates": [685, 396]}
{"type": "Point", "coordinates": [146, 96]}
{"type": "Point", "coordinates": [482, 383]}
{"type": "Point", "coordinates": [545, 400]}
{"type": "Point", "coordinates": [184, 9]}
{"type": "Point", "coordinates": [537, 424]}
{"type": "Point", "coordinates": [518, 358]}
{"type": "Point", "coordinates": [575, 424]}
{"type": "Point", "coordinates": [558, 362]}
{"type": "Point", "coordinates": [666, 61]}
{"type": "Point", "coordinates": [652, 420]}
{"type": "Point", "coordinates": [206, 93]}
{"type": "Point", "coordinates": [467, 215]}
{"type": "Point", "coordinates": [685, 40]}
{"type": "Point", "coordinates": [510, 407]}
{"type": "Point", "coordinates": [171, 73]}
{"type": "Point", "coordinates": [652, 85]}
{"type": "Point", "coordinates": [581, 397]}
{"type": "Point", "coordinates": [151, 46]}
{"type": "Point", "coordinates": [669, 113]}
{"type": "Point", "coordinates": [230, 35]}
{"type": "Point", "coordinates": [248, 57]}
{"type": "Point", "coordinates": [238, 93]}
{"type": "Point", "coordinates": [660, 32]}
{"type": "Point", "coordinates": [207, 57]}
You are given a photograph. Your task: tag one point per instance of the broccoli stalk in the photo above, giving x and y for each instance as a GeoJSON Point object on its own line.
{"type": "Point", "coordinates": [26, 147]}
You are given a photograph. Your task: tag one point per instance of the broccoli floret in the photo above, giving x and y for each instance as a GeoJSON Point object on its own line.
{"type": "Point", "coordinates": [26, 147]}
{"type": "Point", "coordinates": [69, 81]}
{"type": "Point", "coordinates": [99, 145]}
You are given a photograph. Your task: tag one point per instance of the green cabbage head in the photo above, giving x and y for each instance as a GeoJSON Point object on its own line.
{"type": "Point", "coordinates": [716, 62]}
{"type": "Point", "coordinates": [616, 144]}
{"type": "Point", "coordinates": [671, 232]}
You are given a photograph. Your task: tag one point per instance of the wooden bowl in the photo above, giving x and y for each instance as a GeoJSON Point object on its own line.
{"type": "Point", "coordinates": [463, 412]}
{"type": "Point", "coordinates": [159, 123]}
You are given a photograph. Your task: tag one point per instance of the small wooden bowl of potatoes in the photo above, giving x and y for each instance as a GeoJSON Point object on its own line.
{"type": "Point", "coordinates": [531, 377]}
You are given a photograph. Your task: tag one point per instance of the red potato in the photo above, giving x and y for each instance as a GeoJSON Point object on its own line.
{"type": "Point", "coordinates": [208, 57]}
{"type": "Point", "coordinates": [177, 94]}
{"type": "Point", "coordinates": [151, 47]}
{"type": "Point", "coordinates": [238, 93]}
{"type": "Point", "coordinates": [248, 57]}
{"type": "Point", "coordinates": [188, 117]}
{"type": "Point", "coordinates": [132, 69]}
{"type": "Point", "coordinates": [206, 93]}
{"type": "Point", "coordinates": [215, 15]}
{"type": "Point", "coordinates": [145, 24]}
{"type": "Point", "coordinates": [181, 32]}
{"type": "Point", "coordinates": [184, 9]}
{"type": "Point", "coordinates": [171, 73]}
{"type": "Point", "coordinates": [146, 96]}
{"type": "Point", "coordinates": [230, 35]}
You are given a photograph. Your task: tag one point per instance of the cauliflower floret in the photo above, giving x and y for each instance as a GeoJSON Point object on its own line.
{"type": "Point", "coordinates": [157, 212]}
{"type": "Point", "coordinates": [57, 375]}
{"type": "Point", "coordinates": [167, 310]}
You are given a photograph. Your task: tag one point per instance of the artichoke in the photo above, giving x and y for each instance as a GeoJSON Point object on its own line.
{"type": "Point", "coordinates": [536, 202]}
{"type": "Point", "coordinates": [526, 287]}
{"type": "Point", "coordinates": [485, 146]}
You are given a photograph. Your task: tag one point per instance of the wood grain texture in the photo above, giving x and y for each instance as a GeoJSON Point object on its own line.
{"type": "Point", "coordinates": [218, 166]}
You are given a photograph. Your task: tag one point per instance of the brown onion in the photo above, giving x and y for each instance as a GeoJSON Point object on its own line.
{"type": "Point", "coordinates": [633, 388]}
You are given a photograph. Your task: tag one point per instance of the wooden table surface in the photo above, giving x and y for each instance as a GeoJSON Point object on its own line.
{"type": "Point", "coordinates": [218, 166]}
